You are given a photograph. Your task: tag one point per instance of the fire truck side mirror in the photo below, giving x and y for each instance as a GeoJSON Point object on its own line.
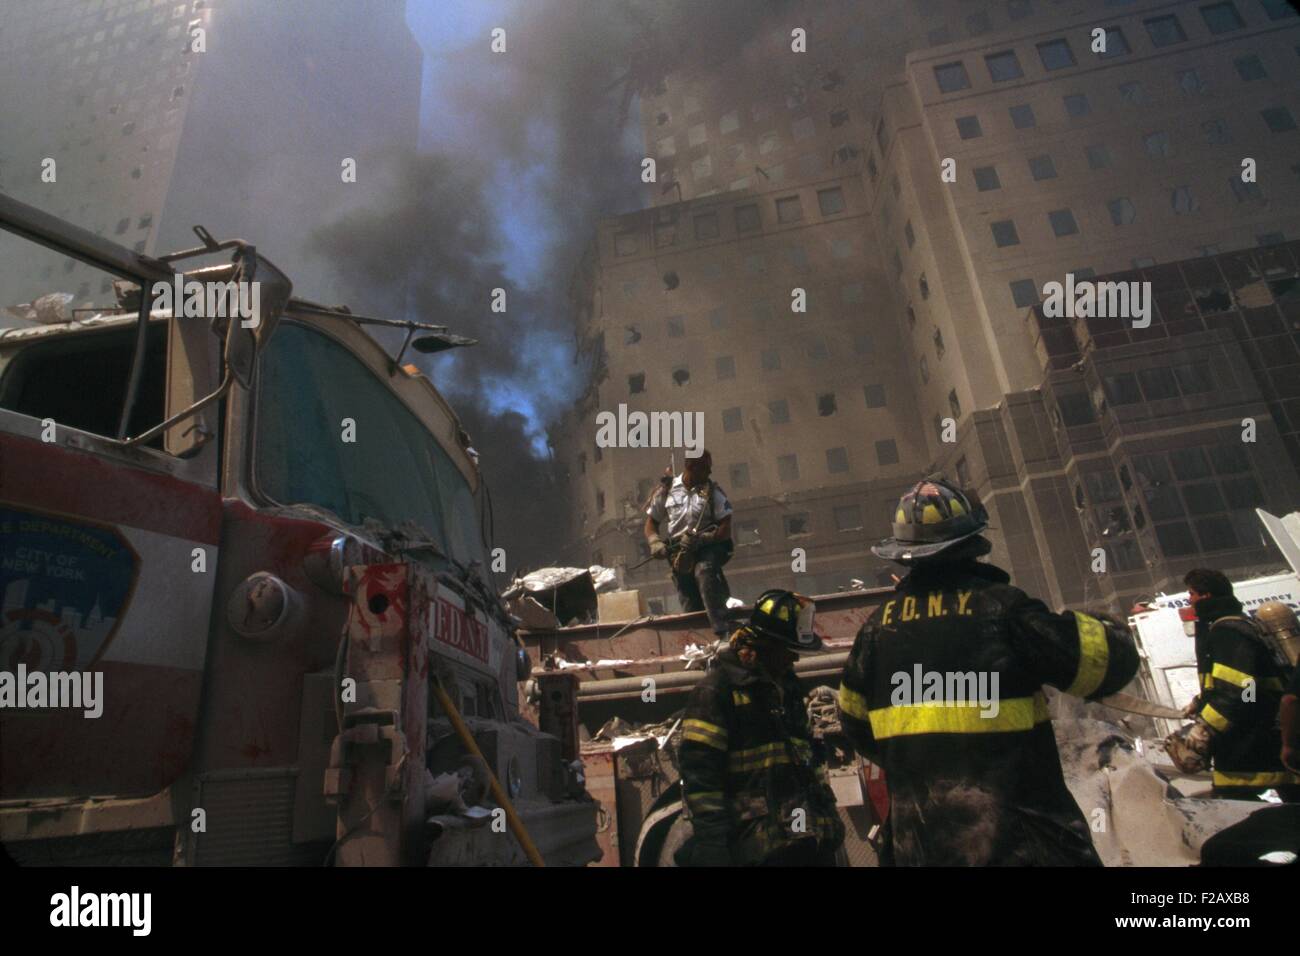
{"type": "Point", "coordinates": [245, 337]}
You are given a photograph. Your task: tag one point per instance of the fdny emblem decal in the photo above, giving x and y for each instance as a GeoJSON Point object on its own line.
{"type": "Point", "coordinates": [461, 631]}
{"type": "Point", "coordinates": [64, 588]}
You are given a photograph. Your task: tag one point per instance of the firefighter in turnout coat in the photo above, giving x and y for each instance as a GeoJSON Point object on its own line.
{"type": "Point", "coordinates": [754, 787]}
{"type": "Point", "coordinates": [944, 690]}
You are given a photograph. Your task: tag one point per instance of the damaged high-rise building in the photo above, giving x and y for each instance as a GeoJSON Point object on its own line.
{"type": "Point", "coordinates": [138, 119]}
{"type": "Point", "coordinates": [919, 175]}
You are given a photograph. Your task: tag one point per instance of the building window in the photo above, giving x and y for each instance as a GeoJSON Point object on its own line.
{"type": "Point", "coordinates": [1191, 83]}
{"type": "Point", "coordinates": [747, 533]}
{"type": "Point", "coordinates": [1164, 31]}
{"type": "Point", "coordinates": [681, 375]}
{"type": "Point", "coordinates": [803, 129]}
{"type": "Point", "coordinates": [1183, 201]}
{"type": "Point", "coordinates": [1076, 105]}
{"type": "Point", "coordinates": [909, 235]}
{"type": "Point", "coordinates": [872, 169]}
{"type": "Point", "coordinates": [1004, 233]}
{"type": "Point", "coordinates": [763, 312]}
{"type": "Point", "coordinates": [600, 502]}
{"type": "Point", "coordinates": [954, 404]}
{"type": "Point", "coordinates": [636, 383]}
{"type": "Point", "coordinates": [1063, 223]}
{"type": "Point", "coordinates": [938, 37]}
{"type": "Point", "coordinates": [747, 218]}
{"type": "Point", "coordinates": [706, 225]}
{"type": "Point", "coordinates": [817, 350]}
{"type": "Point", "coordinates": [1278, 9]}
{"type": "Point", "coordinates": [1024, 293]}
{"type": "Point", "coordinates": [731, 420]}
{"type": "Point", "coordinates": [778, 412]}
{"type": "Point", "coordinates": [830, 201]}
{"type": "Point", "coordinates": [1042, 167]}
{"type": "Point", "coordinates": [848, 518]}
{"type": "Point", "coordinates": [771, 360]}
{"type": "Point", "coordinates": [1003, 66]}
{"type": "Point", "coordinates": [968, 127]}
{"type": "Point", "coordinates": [676, 326]}
{"type": "Point", "coordinates": [1222, 18]}
{"type": "Point", "coordinates": [625, 243]}
{"type": "Point", "coordinates": [796, 525]}
{"type": "Point", "coordinates": [1098, 156]}
{"type": "Point", "coordinates": [911, 317]}
{"type": "Point", "coordinates": [1132, 93]}
{"type": "Point", "coordinates": [951, 77]}
{"type": "Point", "coordinates": [729, 122]}
{"type": "Point", "coordinates": [887, 452]}
{"type": "Point", "coordinates": [1116, 44]}
{"type": "Point", "coordinates": [1264, 239]}
{"type": "Point", "coordinates": [1244, 191]}
{"type": "Point", "coordinates": [1157, 144]}
{"type": "Point", "coordinates": [986, 178]}
{"type": "Point", "coordinates": [725, 366]}
{"type": "Point", "coordinates": [738, 475]}
{"type": "Point", "coordinates": [1022, 116]}
{"type": "Point", "coordinates": [1122, 211]}
{"type": "Point", "coordinates": [1056, 54]}
{"type": "Point", "coordinates": [1278, 118]}
{"type": "Point", "coordinates": [1250, 68]}
{"type": "Point", "coordinates": [924, 286]}
{"type": "Point", "coordinates": [851, 293]}
{"type": "Point", "coordinates": [875, 395]}
{"type": "Point", "coordinates": [1216, 132]}
{"type": "Point", "coordinates": [826, 404]}
{"type": "Point", "coordinates": [977, 23]}
{"type": "Point", "coordinates": [789, 209]}
{"type": "Point", "coordinates": [841, 248]}
{"type": "Point", "coordinates": [1019, 9]}
{"type": "Point", "coordinates": [863, 343]}
{"type": "Point", "coordinates": [925, 370]}
{"type": "Point", "coordinates": [717, 319]}
{"type": "Point", "coordinates": [938, 342]}
{"type": "Point", "coordinates": [787, 467]}
{"type": "Point", "coordinates": [837, 460]}
{"type": "Point", "coordinates": [838, 117]}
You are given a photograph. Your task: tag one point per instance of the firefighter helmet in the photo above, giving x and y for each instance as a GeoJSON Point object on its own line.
{"type": "Point", "coordinates": [787, 618]}
{"type": "Point", "coordinates": [931, 518]}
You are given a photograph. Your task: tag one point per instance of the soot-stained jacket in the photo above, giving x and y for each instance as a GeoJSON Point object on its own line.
{"type": "Point", "coordinates": [749, 773]}
{"type": "Point", "coordinates": [944, 689]}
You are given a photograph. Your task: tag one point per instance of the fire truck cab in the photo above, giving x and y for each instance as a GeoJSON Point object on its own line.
{"type": "Point", "coordinates": [261, 538]}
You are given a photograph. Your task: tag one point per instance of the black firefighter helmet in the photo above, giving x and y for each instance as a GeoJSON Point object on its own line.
{"type": "Point", "coordinates": [786, 618]}
{"type": "Point", "coordinates": [931, 518]}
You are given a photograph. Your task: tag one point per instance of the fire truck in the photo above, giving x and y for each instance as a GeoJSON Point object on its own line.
{"type": "Point", "coordinates": [259, 535]}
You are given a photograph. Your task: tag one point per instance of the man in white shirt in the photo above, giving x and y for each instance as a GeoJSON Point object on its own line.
{"type": "Point", "coordinates": [696, 539]}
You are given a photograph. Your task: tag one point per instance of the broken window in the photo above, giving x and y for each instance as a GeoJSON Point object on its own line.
{"type": "Point", "coordinates": [636, 383]}
{"type": "Point", "coordinates": [924, 286]}
{"type": "Point", "coordinates": [600, 502]}
{"type": "Point", "coordinates": [797, 524]}
{"type": "Point", "coordinates": [839, 117]}
{"type": "Point", "coordinates": [633, 335]}
{"type": "Point", "coordinates": [747, 533]}
{"type": "Point", "coordinates": [954, 404]}
{"type": "Point", "coordinates": [681, 375]}
{"type": "Point", "coordinates": [826, 404]}
{"type": "Point", "coordinates": [938, 342]}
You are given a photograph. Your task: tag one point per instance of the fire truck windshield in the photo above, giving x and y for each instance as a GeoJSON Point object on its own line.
{"type": "Point", "coordinates": [330, 433]}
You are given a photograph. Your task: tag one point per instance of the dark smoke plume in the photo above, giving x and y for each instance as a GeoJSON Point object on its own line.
{"type": "Point", "coordinates": [561, 100]}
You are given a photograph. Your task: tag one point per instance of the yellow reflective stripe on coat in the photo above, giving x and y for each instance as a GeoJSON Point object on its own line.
{"type": "Point", "coordinates": [1015, 714]}
{"type": "Point", "coordinates": [1214, 718]}
{"type": "Point", "coordinates": [739, 697]}
{"type": "Point", "coordinates": [703, 732]}
{"type": "Point", "coordinates": [1205, 680]}
{"type": "Point", "coordinates": [758, 758]}
{"type": "Point", "coordinates": [1094, 656]}
{"type": "Point", "coordinates": [1230, 674]}
{"type": "Point", "coordinates": [1279, 778]}
{"type": "Point", "coordinates": [854, 704]}
{"type": "Point", "coordinates": [705, 801]}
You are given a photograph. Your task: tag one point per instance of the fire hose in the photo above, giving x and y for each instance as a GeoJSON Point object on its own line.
{"type": "Point", "coordinates": [498, 792]}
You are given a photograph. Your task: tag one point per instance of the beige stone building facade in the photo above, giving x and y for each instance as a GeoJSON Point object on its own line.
{"type": "Point", "coordinates": [1064, 159]}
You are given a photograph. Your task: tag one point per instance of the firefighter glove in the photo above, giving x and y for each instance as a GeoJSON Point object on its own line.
{"type": "Point", "coordinates": [657, 547]}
